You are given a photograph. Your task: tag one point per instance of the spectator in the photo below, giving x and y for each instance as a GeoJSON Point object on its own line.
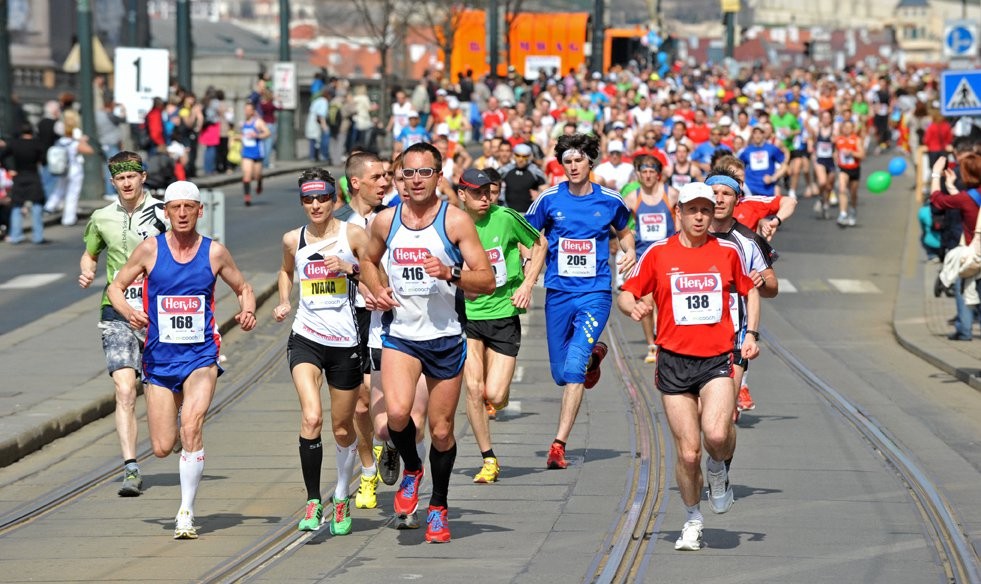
{"type": "Point", "coordinates": [23, 157]}
{"type": "Point", "coordinates": [316, 131]}
{"type": "Point", "coordinates": [47, 136]}
{"type": "Point", "coordinates": [69, 185]}
{"type": "Point", "coordinates": [153, 127]}
{"type": "Point", "coordinates": [267, 110]}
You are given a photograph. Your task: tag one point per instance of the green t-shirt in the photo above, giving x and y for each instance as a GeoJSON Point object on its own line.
{"type": "Point", "coordinates": [788, 123]}
{"type": "Point", "coordinates": [500, 232]}
{"type": "Point", "coordinates": [113, 230]}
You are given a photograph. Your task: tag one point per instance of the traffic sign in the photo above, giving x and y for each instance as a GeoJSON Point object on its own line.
{"type": "Point", "coordinates": [140, 76]}
{"type": "Point", "coordinates": [960, 38]}
{"type": "Point", "coordinates": [959, 91]}
{"type": "Point", "coordinates": [284, 84]}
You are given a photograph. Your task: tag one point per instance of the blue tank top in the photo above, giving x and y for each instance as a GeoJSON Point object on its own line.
{"type": "Point", "coordinates": [251, 144]}
{"type": "Point", "coordinates": [180, 301]}
{"type": "Point", "coordinates": [824, 148]}
{"type": "Point", "coordinates": [653, 223]}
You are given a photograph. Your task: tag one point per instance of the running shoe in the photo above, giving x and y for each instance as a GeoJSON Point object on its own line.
{"type": "Point", "coordinates": [691, 537]}
{"type": "Point", "coordinates": [366, 498]}
{"type": "Point", "coordinates": [593, 369]}
{"type": "Point", "coordinates": [744, 401]}
{"type": "Point", "coordinates": [437, 526]}
{"type": "Point", "coordinates": [389, 464]}
{"type": "Point", "coordinates": [340, 519]}
{"type": "Point", "coordinates": [376, 451]}
{"type": "Point", "coordinates": [248, 200]}
{"type": "Point", "coordinates": [489, 472]}
{"type": "Point", "coordinates": [410, 521]}
{"type": "Point", "coordinates": [842, 220]}
{"type": "Point", "coordinates": [312, 517]}
{"type": "Point", "coordinates": [651, 354]}
{"type": "Point", "coordinates": [556, 457]}
{"type": "Point", "coordinates": [132, 484]}
{"type": "Point", "coordinates": [185, 525]}
{"type": "Point", "coordinates": [833, 199]}
{"type": "Point", "coordinates": [819, 209]}
{"type": "Point", "coordinates": [851, 218]}
{"type": "Point", "coordinates": [719, 492]}
{"type": "Point", "coordinates": [491, 410]}
{"type": "Point", "coordinates": [407, 497]}
{"type": "Point", "coordinates": [258, 187]}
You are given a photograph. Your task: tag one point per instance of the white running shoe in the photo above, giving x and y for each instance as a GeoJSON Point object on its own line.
{"type": "Point", "coordinates": [842, 220]}
{"type": "Point", "coordinates": [691, 537]}
{"type": "Point", "coordinates": [851, 219]}
{"type": "Point", "coordinates": [818, 207]}
{"type": "Point", "coordinates": [719, 492]}
{"type": "Point", "coordinates": [185, 525]}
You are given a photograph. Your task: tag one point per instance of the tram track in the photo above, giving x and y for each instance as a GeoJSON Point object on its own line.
{"type": "Point", "coordinates": [239, 388]}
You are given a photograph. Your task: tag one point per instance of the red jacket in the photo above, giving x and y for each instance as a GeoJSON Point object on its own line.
{"type": "Point", "coordinates": [963, 202]}
{"type": "Point", "coordinates": [938, 136]}
{"type": "Point", "coordinates": [155, 127]}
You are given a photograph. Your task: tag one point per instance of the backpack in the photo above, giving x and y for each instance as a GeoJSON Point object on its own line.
{"type": "Point", "coordinates": [57, 159]}
{"type": "Point", "coordinates": [334, 118]}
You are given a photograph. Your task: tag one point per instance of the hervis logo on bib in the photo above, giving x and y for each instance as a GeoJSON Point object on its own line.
{"type": "Point", "coordinates": [410, 255]}
{"type": "Point", "coordinates": [494, 255]}
{"type": "Point", "coordinates": [180, 304]}
{"type": "Point", "coordinates": [318, 271]}
{"type": "Point", "coordinates": [577, 245]}
{"type": "Point", "coordinates": [698, 283]}
{"type": "Point", "coordinates": [652, 218]}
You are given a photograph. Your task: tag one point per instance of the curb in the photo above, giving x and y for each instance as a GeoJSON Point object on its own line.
{"type": "Point", "coordinates": [46, 432]}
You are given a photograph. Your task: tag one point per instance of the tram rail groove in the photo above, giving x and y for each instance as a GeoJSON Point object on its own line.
{"type": "Point", "coordinates": [109, 472]}
{"type": "Point", "coordinates": [956, 554]}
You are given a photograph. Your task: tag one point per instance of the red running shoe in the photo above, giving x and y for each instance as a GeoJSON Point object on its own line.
{"type": "Point", "coordinates": [593, 369]}
{"type": "Point", "coordinates": [407, 497]}
{"type": "Point", "coordinates": [556, 457]}
{"type": "Point", "coordinates": [437, 526]}
{"type": "Point", "coordinates": [744, 402]}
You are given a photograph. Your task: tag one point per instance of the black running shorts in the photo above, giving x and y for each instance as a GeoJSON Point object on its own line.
{"type": "Point", "coordinates": [501, 335]}
{"type": "Point", "coordinates": [677, 374]}
{"type": "Point", "coordinates": [341, 365]}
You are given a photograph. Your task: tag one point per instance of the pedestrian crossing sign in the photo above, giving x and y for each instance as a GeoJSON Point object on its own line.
{"type": "Point", "coordinates": [959, 91]}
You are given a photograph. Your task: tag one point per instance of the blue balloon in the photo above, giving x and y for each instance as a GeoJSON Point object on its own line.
{"type": "Point", "coordinates": [897, 166]}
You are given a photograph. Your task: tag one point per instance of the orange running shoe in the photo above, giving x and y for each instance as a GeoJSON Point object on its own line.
{"type": "Point", "coordinates": [556, 457]}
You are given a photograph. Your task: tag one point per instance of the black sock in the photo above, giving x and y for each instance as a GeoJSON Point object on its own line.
{"type": "Point", "coordinates": [441, 466]}
{"type": "Point", "coordinates": [405, 442]}
{"type": "Point", "coordinates": [311, 460]}
{"type": "Point", "coordinates": [247, 188]}
{"type": "Point", "coordinates": [488, 454]}
{"type": "Point", "coordinates": [130, 463]}
{"type": "Point", "coordinates": [258, 186]}
{"type": "Point", "coordinates": [559, 442]}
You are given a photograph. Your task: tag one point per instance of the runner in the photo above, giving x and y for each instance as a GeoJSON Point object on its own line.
{"type": "Point", "coordinates": [324, 344]}
{"type": "Point", "coordinates": [823, 152]}
{"type": "Point", "coordinates": [758, 264]}
{"type": "Point", "coordinates": [428, 241]}
{"type": "Point", "coordinates": [690, 276]}
{"type": "Point", "coordinates": [576, 217]}
{"type": "Point", "coordinates": [180, 359]}
{"type": "Point", "coordinates": [493, 328]}
{"type": "Point", "coordinates": [764, 164]}
{"type": "Point", "coordinates": [682, 170]}
{"type": "Point", "coordinates": [254, 131]}
{"type": "Point", "coordinates": [368, 182]}
{"type": "Point", "coordinates": [761, 214]}
{"type": "Point", "coordinates": [652, 205]}
{"type": "Point", "coordinates": [851, 150]}
{"type": "Point", "coordinates": [117, 229]}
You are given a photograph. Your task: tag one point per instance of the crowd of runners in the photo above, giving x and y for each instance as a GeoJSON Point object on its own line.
{"type": "Point", "coordinates": [659, 195]}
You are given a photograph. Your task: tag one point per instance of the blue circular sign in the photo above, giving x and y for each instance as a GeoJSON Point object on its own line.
{"type": "Point", "coordinates": [959, 40]}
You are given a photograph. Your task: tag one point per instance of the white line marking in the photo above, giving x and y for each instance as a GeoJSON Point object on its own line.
{"type": "Point", "coordinates": [29, 281]}
{"type": "Point", "coordinates": [855, 286]}
{"type": "Point", "coordinates": [785, 287]}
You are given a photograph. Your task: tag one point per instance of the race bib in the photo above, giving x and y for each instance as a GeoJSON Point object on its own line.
{"type": "Point", "coordinates": [653, 226]}
{"type": "Point", "coordinates": [696, 298]}
{"type": "Point", "coordinates": [824, 150]}
{"type": "Point", "coordinates": [180, 319]}
{"type": "Point", "coordinates": [500, 267]}
{"type": "Point", "coordinates": [883, 109]}
{"type": "Point", "coordinates": [734, 312]}
{"type": "Point", "coordinates": [759, 160]}
{"type": "Point", "coordinates": [679, 180]}
{"type": "Point", "coordinates": [134, 294]}
{"type": "Point", "coordinates": [407, 275]}
{"type": "Point", "coordinates": [321, 287]}
{"type": "Point", "coordinates": [845, 158]}
{"type": "Point", "coordinates": [577, 258]}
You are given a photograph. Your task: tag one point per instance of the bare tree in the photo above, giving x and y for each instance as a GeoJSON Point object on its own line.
{"type": "Point", "coordinates": [440, 21]}
{"type": "Point", "coordinates": [512, 8]}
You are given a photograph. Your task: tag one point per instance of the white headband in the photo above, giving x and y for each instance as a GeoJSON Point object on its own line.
{"type": "Point", "coordinates": [572, 152]}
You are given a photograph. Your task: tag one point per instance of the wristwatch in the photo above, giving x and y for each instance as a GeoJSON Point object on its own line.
{"type": "Point", "coordinates": [355, 270]}
{"type": "Point", "coordinates": [754, 333]}
{"type": "Point", "coordinates": [455, 274]}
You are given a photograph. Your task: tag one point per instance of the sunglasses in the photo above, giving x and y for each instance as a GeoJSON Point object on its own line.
{"type": "Point", "coordinates": [309, 199]}
{"type": "Point", "coordinates": [422, 172]}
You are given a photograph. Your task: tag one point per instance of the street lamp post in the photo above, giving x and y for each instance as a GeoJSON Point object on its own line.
{"type": "Point", "coordinates": [6, 76]}
{"type": "Point", "coordinates": [286, 138]}
{"type": "Point", "coordinates": [185, 48]}
{"type": "Point", "coordinates": [598, 41]}
{"type": "Point", "coordinates": [92, 184]}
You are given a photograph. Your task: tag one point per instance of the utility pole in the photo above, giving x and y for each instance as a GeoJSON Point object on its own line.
{"type": "Point", "coordinates": [286, 138]}
{"type": "Point", "coordinates": [185, 48]}
{"type": "Point", "coordinates": [92, 185]}
{"type": "Point", "coordinates": [599, 18]}
{"type": "Point", "coordinates": [494, 45]}
{"type": "Point", "coordinates": [729, 10]}
{"type": "Point", "coordinates": [6, 77]}
{"type": "Point", "coordinates": [132, 36]}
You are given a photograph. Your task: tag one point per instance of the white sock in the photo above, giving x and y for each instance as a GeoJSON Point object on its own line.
{"type": "Point", "coordinates": [714, 466]}
{"type": "Point", "coordinates": [369, 471]}
{"type": "Point", "coordinates": [421, 451]}
{"type": "Point", "coordinates": [745, 381]}
{"type": "Point", "coordinates": [693, 513]}
{"type": "Point", "coordinates": [346, 457]}
{"type": "Point", "coordinates": [191, 469]}
{"type": "Point", "coordinates": [376, 442]}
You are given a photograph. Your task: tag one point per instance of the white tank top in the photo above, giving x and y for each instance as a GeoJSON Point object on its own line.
{"type": "Point", "coordinates": [325, 313]}
{"type": "Point", "coordinates": [363, 223]}
{"type": "Point", "coordinates": [430, 308]}
{"type": "Point", "coordinates": [375, 330]}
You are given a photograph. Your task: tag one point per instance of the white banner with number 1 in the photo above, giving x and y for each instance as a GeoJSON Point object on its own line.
{"type": "Point", "coordinates": [140, 75]}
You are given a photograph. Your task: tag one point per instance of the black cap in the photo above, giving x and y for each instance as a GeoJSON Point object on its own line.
{"type": "Point", "coordinates": [474, 179]}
